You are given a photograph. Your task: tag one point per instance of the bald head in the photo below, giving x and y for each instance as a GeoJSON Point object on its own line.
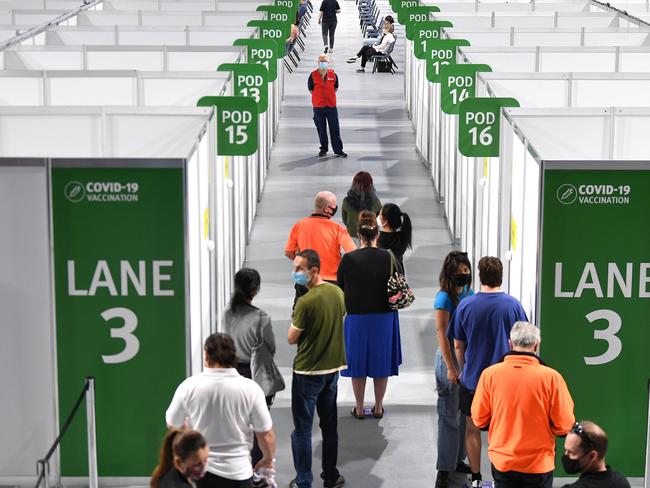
{"type": "Point", "coordinates": [323, 57]}
{"type": "Point", "coordinates": [323, 201]}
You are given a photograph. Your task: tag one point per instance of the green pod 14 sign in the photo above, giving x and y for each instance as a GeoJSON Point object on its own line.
{"type": "Point", "coordinates": [441, 53]}
{"type": "Point", "coordinates": [119, 275]}
{"type": "Point", "coordinates": [274, 31]}
{"type": "Point", "coordinates": [250, 80]}
{"type": "Point", "coordinates": [594, 299]}
{"type": "Point", "coordinates": [236, 124]}
{"type": "Point", "coordinates": [421, 32]}
{"type": "Point", "coordinates": [479, 125]}
{"type": "Point", "coordinates": [458, 83]}
{"type": "Point", "coordinates": [278, 13]}
{"type": "Point", "coordinates": [416, 14]}
{"type": "Point", "coordinates": [261, 51]}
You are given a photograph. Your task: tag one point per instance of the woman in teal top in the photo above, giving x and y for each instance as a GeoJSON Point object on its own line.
{"type": "Point", "coordinates": [455, 285]}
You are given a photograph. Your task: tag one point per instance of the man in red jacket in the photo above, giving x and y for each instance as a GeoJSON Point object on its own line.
{"type": "Point", "coordinates": [323, 84]}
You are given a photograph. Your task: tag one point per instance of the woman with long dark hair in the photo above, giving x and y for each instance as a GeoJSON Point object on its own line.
{"type": "Point", "coordinates": [455, 285]}
{"type": "Point", "coordinates": [249, 328]}
{"type": "Point", "coordinates": [183, 459]}
{"type": "Point", "coordinates": [396, 231]}
{"type": "Point", "coordinates": [361, 196]}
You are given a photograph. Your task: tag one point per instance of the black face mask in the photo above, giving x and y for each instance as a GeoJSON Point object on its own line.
{"type": "Point", "coordinates": [333, 210]}
{"type": "Point", "coordinates": [571, 466]}
{"type": "Point", "coordinates": [461, 279]}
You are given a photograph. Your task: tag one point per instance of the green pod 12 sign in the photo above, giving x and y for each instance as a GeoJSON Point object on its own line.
{"type": "Point", "coordinates": [250, 80]}
{"type": "Point", "coordinates": [458, 83]}
{"type": "Point", "coordinates": [275, 31]}
{"type": "Point", "coordinates": [479, 125]}
{"type": "Point", "coordinates": [421, 32]}
{"type": "Point", "coordinates": [236, 124]}
{"type": "Point", "coordinates": [441, 53]}
{"type": "Point", "coordinates": [278, 13]}
{"type": "Point", "coordinates": [416, 14]}
{"type": "Point", "coordinates": [261, 51]}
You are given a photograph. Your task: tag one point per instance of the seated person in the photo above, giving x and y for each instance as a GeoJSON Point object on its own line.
{"type": "Point", "coordinates": [293, 36]}
{"type": "Point", "coordinates": [366, 52]}
{"type": "Point", "coordinates": [301, 11]}
{"type": "Point", "coordinates": [369, 41]}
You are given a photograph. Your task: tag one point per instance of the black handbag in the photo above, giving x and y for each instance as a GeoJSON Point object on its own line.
{"type": "Point", "coordinates": [400, 294]}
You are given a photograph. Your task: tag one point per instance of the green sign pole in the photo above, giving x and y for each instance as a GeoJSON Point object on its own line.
{"type": "Point", "coordinates": [261, 51]}
{"type": "Point", "coordinates": [275, 31]}
{"type": "Point", "coordinates": [441, 53]}
{"type": "Point", "coordinates": [479, 125]}
{"type": "Point", "coordinates": [119, 267]}
{"type": "Point", "coordinates": [421, 32]}
{"type": "Point", "coordinates": [250, 80]}
{"type": "Point", "coordinates": [237, 133]}
{"type": "Point", "coordinates": [595, 299]}
{"type": "Point", "coordinates": [458, 82]}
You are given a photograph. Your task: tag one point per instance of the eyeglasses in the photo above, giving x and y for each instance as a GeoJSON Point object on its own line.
{"type": "Point", "coordinates": [579, 430]}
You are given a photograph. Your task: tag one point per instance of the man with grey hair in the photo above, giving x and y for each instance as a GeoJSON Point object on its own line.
{"type": "Point", "coordinates": [322, 234]}
{"type": "Point", "coordinates": [524, 405]}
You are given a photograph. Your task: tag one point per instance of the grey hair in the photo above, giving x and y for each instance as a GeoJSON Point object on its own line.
{"type": "Point", "coordinates": [524, 334]}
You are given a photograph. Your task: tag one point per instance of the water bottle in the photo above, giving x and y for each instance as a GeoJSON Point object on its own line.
{"type": "Point", "coordinates": [265, 475]}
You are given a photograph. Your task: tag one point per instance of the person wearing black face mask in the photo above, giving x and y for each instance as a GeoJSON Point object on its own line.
{"type": "Point", "coordinates": [183, 460]}
{"type": "Point", "coordinates": [584, 452]}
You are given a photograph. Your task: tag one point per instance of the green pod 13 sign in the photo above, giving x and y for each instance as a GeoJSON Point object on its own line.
{"type": "Point", "coordinates": [119, 268]}
{"type": "Point", "coordinates": [595, 297]}
{"type": "Point", "coordinates": [441, 52]}
{"type": "Point", "coordinates": [250, 80]}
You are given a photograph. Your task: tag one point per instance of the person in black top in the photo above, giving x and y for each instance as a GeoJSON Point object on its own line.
{"type": "Point", "coordinates": [584, 452]}
{"type": "Point", "coordinates": [183, 459]}
{"type": "Point", "coordinates": [396, 231]}
{"type": "Point", "coordinates": [372, 337]}
{"type": "Point", "coordinates": [327, 20]}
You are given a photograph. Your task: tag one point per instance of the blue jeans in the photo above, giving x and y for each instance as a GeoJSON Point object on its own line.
{"type": "Point", "coordinates": [309, 393]}
{"type": "Point", "coordinates": [451, 423]}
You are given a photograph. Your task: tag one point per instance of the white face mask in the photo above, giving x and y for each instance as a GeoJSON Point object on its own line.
{"type": "Point", "coordinates": [379, 223]}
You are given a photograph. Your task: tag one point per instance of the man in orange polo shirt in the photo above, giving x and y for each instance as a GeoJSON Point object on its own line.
{"type": "Point", "coordinates": [320, 233]}
{"type": "Point", "coordinates": [524, 405]}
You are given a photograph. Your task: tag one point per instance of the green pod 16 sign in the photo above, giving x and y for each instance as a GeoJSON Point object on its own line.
{"type": "Point", "coordinates": [236, 124]}
{"type": "Point", "coordinates": [278, 13]}
{"type": "Point", "coordinates": [275, 31]}
{"type": "Point", "coordinates": [420, 32]}
{"type": "Point", "coordinates": [416, 14]}
{"type": "Point", "coordinates": [261, 51]}
{"type": "Point", "coordinates": [441, 53]}
{"type": "Point", "coordinates": [479, 125]}
{"type": "Point", "coordinates": [250, 80]}
{"type": "Point", "coordinates": [458, 83]}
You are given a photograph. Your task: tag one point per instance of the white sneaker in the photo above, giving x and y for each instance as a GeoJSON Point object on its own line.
{"type": "Point", "coordinates": [331, 50]}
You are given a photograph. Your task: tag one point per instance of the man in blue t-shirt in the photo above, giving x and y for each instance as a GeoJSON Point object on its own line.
{"type": "Point", "coordinates": [481, 326]}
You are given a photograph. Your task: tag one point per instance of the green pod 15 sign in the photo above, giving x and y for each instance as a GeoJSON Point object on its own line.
{"type": "Point", "coordinates": [416, 14]}
{"type": "Point", "coordinates": [236, 124]}
{"type": "Point", "coordinates": [421, 32]}
{"type": "Point", "coordinates": [278, 13]}
{"type": "Point", "coordinates": [250, 80]}
{"type": "Point", "coordinates": [479, 125]}
{"type": "Point", "coordinates": [119, 275]}
{"type": "Point", "coordinates": [261, 51]}
{"type": "Point", "coordinates": [458, 83]}
{"type": "Point", "coordinates": [441, 53]}
{"type": "Point", "coordinates": [595, 297]}
{"type": "Point", "coordinates": [275, 31]}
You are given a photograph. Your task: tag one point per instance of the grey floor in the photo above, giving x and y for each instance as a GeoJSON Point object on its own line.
{"type": "Point", "coordinates": [400, 449]}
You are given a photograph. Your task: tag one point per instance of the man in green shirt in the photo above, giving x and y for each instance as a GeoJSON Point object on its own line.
{"type": "Point", "coordinates": [317, 328]}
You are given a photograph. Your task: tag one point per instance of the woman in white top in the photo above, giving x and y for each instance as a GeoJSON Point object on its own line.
{"type": "Point", "coordinates": [366, 52]}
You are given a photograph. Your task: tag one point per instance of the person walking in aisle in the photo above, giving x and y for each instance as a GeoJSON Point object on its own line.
{"type": "Point", "coordinates": [317, 328]}
{"type": "Point", "coordinates": [455, 285]}
{"type": "Point", "coordinates": [361, 196]}
{"type": "Point", "coordinates": [396, 231]}
{"type": "Point", "coordinates": [323, 83]}
{"type": "Point", "coordinates": [482, 325]}
{"type": "Point", "coordinates": [372, 337]}
{"type": "Point", "coordinates": [327, 19]}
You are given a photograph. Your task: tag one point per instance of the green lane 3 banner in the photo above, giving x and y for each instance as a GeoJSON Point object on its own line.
{"type": "Point", "coordinates": [595, 299]}
{"type": "Point", "coordinates": [119, 268]}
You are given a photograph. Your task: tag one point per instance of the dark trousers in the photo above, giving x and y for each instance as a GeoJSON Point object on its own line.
{"type": "Point", "coordinates": [324, 116]}
{"type": "Point", "coordinates": [366, 52]}
{"type": "Point", "coordinates": [244, 369]}
{"type": "Point", "coordinates": [309, 393]}
{"type": "Point", "coordinates": [328, 29]}
{"type": "Point", "coordinates": [213, 481]}
{"type": "Point", "coordinates": [515, 479]}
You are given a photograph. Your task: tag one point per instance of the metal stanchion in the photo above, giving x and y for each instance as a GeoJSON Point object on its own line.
{"type": "Point", "coordinates": [92, 439]}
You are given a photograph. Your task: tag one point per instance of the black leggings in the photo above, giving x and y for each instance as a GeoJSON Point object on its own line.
{"type": "Point", "coordinates": [328, 28]}
{"type": "Point", "coordinates": [366, 52]}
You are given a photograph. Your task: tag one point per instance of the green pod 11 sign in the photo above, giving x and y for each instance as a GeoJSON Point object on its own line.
{"type": "Point", "coordinates": [416, 14]}
{"type": "Point", "coordinates": [275, 31]}
{"type": "Point", "coordinates": [236, 124]}
{"type": "Point", "coordinates": [458, 83]}
{"type": "Point", "coordinates": [479, 125]}
{"type": "Point", "coordinates": [441, 53]}
{"type": "Point", "coordinates": [278, 13]}
{"type": "Point", "coordinates": [250, 80]}
{"type": "Point", "coordinates": [594, 299]}
{"type": "Point", "coordinates": [119, 276]}
{"type": "Point", "coordinates": [421, 32]}
{"type": "Point", "coordinates": [261, 51]}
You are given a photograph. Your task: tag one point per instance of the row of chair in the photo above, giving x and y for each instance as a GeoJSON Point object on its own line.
{"type": "Point", "coordinates": [371, 26]}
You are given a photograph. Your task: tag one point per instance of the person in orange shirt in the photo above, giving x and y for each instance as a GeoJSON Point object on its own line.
{"type": "Point", "coordinates": [524, 405]}
{"type": "Point", "coordinates": [320, 233]}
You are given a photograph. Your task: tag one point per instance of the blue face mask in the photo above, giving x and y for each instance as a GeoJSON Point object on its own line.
{"type": "Point", "coordinates": [322, 65]}
{"type": "Point", "coordinates": [300, 278]}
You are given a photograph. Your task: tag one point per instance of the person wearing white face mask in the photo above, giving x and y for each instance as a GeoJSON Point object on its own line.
{"type": "Point", "coordinates": [183, 460]}
{"type": "Point", "coordinates": [323, 83]}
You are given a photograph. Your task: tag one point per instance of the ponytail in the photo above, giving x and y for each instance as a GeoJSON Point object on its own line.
{"type": "Point", "coordinates": [166, 460]}
{"type": "Point", "coordinates": [398, 220]}
{"type": "Point", "coordinates": [247, 281]}
{"type": "Point", "coordinates": [406, 230]}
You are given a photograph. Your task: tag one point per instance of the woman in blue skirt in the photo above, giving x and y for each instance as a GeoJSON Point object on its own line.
{"type": "Point", "coordinates": [372, 339]}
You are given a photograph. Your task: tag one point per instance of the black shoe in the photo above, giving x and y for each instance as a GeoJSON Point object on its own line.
{"type": "Point", "coordinates": [322, 154]}
{"type": "Point", "coordinates": [463, 468]}
{"type": "Point", "coordinates": [341, 154]}
{"type": "Point", "coordinates": [442, 479]}
{"type": "Point", "coordinates": [352, 60]}
{"type": "Point", "coordinates": [293, 484]}
{"type": "Point", "coordinates": [337, 483]}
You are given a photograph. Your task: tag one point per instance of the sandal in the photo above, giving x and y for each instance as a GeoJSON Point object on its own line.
{"type": "Point", "coordinates": [357, 415]}
{"type": "Point", "coordinates": [378, 415]}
